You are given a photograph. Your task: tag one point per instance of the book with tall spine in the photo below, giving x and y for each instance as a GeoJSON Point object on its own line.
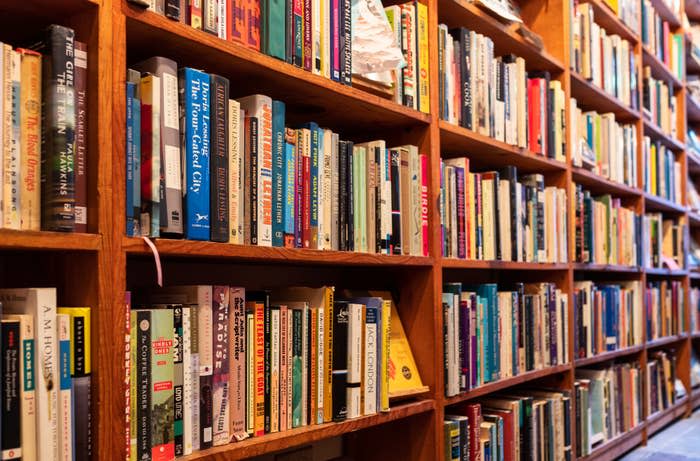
{"type": "Point", "coordinates": [12, 150]}
{"type": "Point", "coordinates": [219, 161]}
{"type": "Point", "coordinates": [150, 158]}
{"type": "Point", "coordinates": [58, 129]}
{"type": "Point", "coordinates": [30, 143]}
{"type": "Point", "coordinates": [178, 379]}
{"type": "Point", "coordinates": [220, 373]}
{"type": "Point", "coordinates": [284, 355]}
{"type": "Point", "coordinates": [188, 381]}
{"type": "Point", "coordinates": [237, 363]}
{"type": "Point", "coordinates": [422, 59]}
{"type": "Point", "coordinates": [41, 304]}
{"type": "Point", "coordinates": [162, 441]}
{"type": "Point", "coordinates": [236, 143]}
{"type": "Point", "coordinates": [141, 331]}
{"type": "Point", "coordinates": [195, 123]}
{"type": "Point", "coordinates": [354, 360]}
{"type": "Point", "coordinates": [133, 154]}
{"type": "Point", "coordinates": [340, 360]}
{"type": "Point", "coordinates": [278, 172]}
{"type": "Point", "coordinates": [65, 402]}
{"type": "Point", "coordinates": [81, 117]}
{"type": "Point", "coordinates": [5, 119]}
{"type": "Point", "coordinates": [10, 357]}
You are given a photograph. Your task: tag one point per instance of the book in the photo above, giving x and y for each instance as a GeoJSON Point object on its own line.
{"type": "Point", "coordinates": [81, 117]}
{"type": "Point", "coordinates": [11, 411]}
{"type": "Point", "coordinates": [219, 161]}
{"type": "Point", "coordinates": [30, 142]}
{"type": "Point", "coordinates": [65, 398]}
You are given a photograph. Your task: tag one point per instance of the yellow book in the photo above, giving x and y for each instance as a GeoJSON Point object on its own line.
{"type": "Point", "coordinates": [404, 377]}
{"type": "Point", "coordinates": [30, 140]}
{"type": "Point", "coordinates": [80, 364]}
{"type": "Point", "coordinates": [386, 355]}
{"type": "Point", "coordinates": [423, 59]}
{"type": "Point", "coordinates": [613, 5]}
{"type": "Point", "coordinates": [328, 355]}
{"type": "Point", "coordinates": [652, 169]}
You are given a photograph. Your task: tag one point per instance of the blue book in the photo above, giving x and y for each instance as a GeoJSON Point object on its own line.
{"type": "Point", "coordinates": [314, 150]}
{"type": "Point", "coordinates": [136, 165]}
{"type": "Point", "coordinates": [195, 103]}
{"type": "Point", "coordinates": [278, 173]}
{"type": "Point", "coordinates": [289, 193]}
{"type": "Point", "coordinates": [130, 90]}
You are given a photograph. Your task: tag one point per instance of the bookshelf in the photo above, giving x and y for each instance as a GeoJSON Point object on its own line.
{"type": "Point", "coordinates": [97, 268]}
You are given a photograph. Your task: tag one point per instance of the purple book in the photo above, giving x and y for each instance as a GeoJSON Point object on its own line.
{"type": "Point", "coordinates": [473, 306]}
{"type": "Point", "coordinates": [461, 235]}
{"type": "Point", "coordinates": [464, 338]}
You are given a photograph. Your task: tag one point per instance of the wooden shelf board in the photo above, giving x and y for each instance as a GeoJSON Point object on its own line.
{"type": "Point", "coordinates": [694, 218]}
{"type": "Point", "coordinates": [664, 272]}
{"type": "Point", "coordinates": [659, 70]}
{"type": "Point", "coordinates": [270, 443]}
{"type": "Point", "coordinates": [213, 250]}
{"type": "Point", "coordinates": [483, 151]}
{"type": "Point", "coordinates": [659, 420]}
{"type": "Point", "coordinates": [502, 384]}
{"type": "Point", "coordinates": [665, 341]}
{"type": "Point", "coordinates": [47, 241]}
{"type": "Point", "coordinates": [590, 97]}
{"type": "Point", "coordinates": [455, 263]}
{"type": "Point", "coordinates": [457, 13]}
{"type": "Point", "coordinates": [666, 13]}
{"type": "Point", "coordinates": [607, 356]}
{"type": "Point", "coordinates": [617, 446]}
{"type": "Point", "coordinates": [693, 108]}
{"type": "Point", "coordinates": [600, 185]}
{"type": "Point", "coordinates": [612, 23]}
{"type": "Point", "coordinates": [586, 267]}
{"type": "Point", "coordinates": [652, 130]}
{"type": "Point", "coordinates": [305, 94]}
{"type": "Point", "coordinates": [654, 203]}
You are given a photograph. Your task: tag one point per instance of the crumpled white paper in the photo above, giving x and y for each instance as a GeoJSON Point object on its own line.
{"type": "Point", "coordinates": [374, 47]}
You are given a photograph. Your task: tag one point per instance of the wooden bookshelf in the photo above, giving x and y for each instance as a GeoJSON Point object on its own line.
{"type": "Point", "coordinates": [107, 263]}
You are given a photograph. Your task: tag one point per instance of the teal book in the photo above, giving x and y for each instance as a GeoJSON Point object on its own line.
{"type": "Point", "coordinates": [162, 377]}
{"type": "Point", "coordinates": [297, 334]}
{"type": "Point", "coordinates": [273, 27]}
{"type": "Point", "coordinates": [278, 173]}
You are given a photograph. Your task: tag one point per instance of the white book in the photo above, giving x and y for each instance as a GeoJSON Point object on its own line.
{"type": "Point", "coordinates": [320, 364]}
{"type": "Point", "coordinates": [274, 369]}
{"type": "Point", "coordinates": [41, 304]}
{"type": "Point", "coordinates": [221, 19]}
{"type": "Point", "coordinates": [335, 190]}
{"type": "Point", "coordinates": [12, 178]}
{"type": "Point", "coordinates": [371, 361]}
{"type": "Point", "coordinates": [235, 169]}
{"type": "Point", "coordinates": [290, 326]}
{"type": "Point", "coordinates": [354, 390]}
{"type": "Point", "coordinates": [65, 402]}
{"type": "Point", "coordinates": [415, 226]}
{"type": "Point", "coordinates": [385, 193]}
{"type": "Point", "coordinates": [504, 220]}
{"type": "Point", "coordinates": [188, 380]}
{"type": "Point", "coordinates": [316, 27]}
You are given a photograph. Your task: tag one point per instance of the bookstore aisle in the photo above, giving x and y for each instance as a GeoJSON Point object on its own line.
{"type": "Point", "coordinates": [678, 442]}
{"type": "Point", "coordinates": [351, 230]}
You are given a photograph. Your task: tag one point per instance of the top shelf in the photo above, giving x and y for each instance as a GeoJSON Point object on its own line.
{"type": "Point", "coordinates": [606, 18]}
{"type": "Point", "coordinates": [460, 13]}
{"type": "Point", "coordinates": [250, 71]}
{"type": "Point", "coordinates": [663, 10]}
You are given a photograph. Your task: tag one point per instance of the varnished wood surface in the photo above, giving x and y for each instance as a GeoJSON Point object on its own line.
{"type": "Point", "coordinates": [609, 356]}
{"type": "Point", "coordinates": [590, 97]}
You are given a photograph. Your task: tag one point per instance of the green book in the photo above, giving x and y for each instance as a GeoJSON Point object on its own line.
{"type": "Point", "coordinates": [162, 376]}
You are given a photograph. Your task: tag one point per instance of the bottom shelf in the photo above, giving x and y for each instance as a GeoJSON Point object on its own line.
{"type": "Point", "coordinates": [271, 443]}
{"type": "Point", "coordinates": [658, 421]}
{"type": "Point", "coordinates": [617, 446]}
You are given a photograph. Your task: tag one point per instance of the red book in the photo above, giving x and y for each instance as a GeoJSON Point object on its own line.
{"type": "Point", "coordinates": [508, 432]}
{"type": "Point", "coordinates": [534, 110]}
{"type": "Point", "coordinates": [424, 201]}
{"type": "Point", "coordinates": [236, 28]}
{"type": "Point", "coordinates": [306, 202]}
{"type": "Point", "coordinates": [667, 44]}
{"type": "Point", "coordinates": [252, 11]}
{"type": "Point", "coordinates": [474, 414]}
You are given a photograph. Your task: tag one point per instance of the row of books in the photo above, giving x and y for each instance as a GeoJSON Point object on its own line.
{"type": "Point", "coordinates": [694, 308]}
{"type": "Point", "coordinates": [663, 242]}
{"type": "Point", "coordinates": [662, 171]}
{"type": "Point", "coordinates": [491, 335]}
{"type": "Point", "coordinates": [607, 61]}
{"type": "Point", "coordinates": [607, 317]}
{"type": "Point", "coordinates": [519, 424]}
{"type": "Point", "coordinates": [627, 10]}
{"type": "Point", "coordinates": [211, 365]}
{"type": "Point", "coordinates": [693, 196]}
{"type": "Point", "coordinates": [496, 215]}
{"type": "Point", "coordinates": [608, 404]}
{"type": "Point", "coordinates": [606, 232]}
{"type": "Point", "coordinates": [43, 161]}
{"type": "Point", "coordinates": [604, 146]}
{"type": "Point", "coordinates": [248, 179]}
{"type": "Point", "coordinates": [46, 367]}
{"type": "Point", "coordinates": [659, 104]}
{"type": "Point", "coordinates": [661, 42]}
{"type": "Point", "coordinates": [495, 96]}
{"type": "Point", "coordinates": [661, 381]}
{"type": "Point", "coordinates": [665, 306]}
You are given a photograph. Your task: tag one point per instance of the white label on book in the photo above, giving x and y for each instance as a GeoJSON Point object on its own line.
{"type": "Point", "coordinates": [171, 117]}
{"type": "Point", "coordinates": [172, 166]}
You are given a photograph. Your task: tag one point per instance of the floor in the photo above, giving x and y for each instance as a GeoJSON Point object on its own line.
{"type": "Point", "coordinates": [678, 442]}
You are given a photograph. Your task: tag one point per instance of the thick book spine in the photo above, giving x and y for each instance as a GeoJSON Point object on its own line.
{"type": "Point", "coordinates": [340, 360]}
{"type": "Point", "coordinates": [424, 168]}
{"type": "Point", "coordinates": [274, 28]}
{"type": "Point", "coordinates": [58, 130]}
{"type": "Point", "coordinates": [81, 118]}
{"type": "Point", "coordinates": [279, 165]}
{"type": "Point", "coordinates": [306, 191]}
{"type": "Point", "coordinates": [237, 22]}
{"type": "Point", "coordinates": [237, 371]}
{"type": "Point", "coordinates": [296, 366]}
{"type": "Point", "coordinates": [355, 360]}
{"type": "Point", "coordinates": [205, 337]}
{"type": "Point", "coordinates": [219, 160]}
{"type": "Point", "coordinates": [131, 226]}
{"type": "Point", "coordinates": [142, 330]}
{"type": "Point", "coordinates": [274, 372]}
{"type": "Point", "coordinates": [284, 357]}
{"type": "Point", "coordinates": [27, 389]}
{"type": "Point", "coordinates": [162, 417]}
{"type": "Point", "coordinates": [178, 379]}
{"type": "Point", "coordinates": [307, 34]}
{"type": "Point", "coordinates": [298, 28]}
{"type": "Point", "coordinates": [298, 190]}
{"type": "Point", "coordinates": [235, 172]}
{"type": "Point", "coordinates": [220, 373]}
{"type": "Point", "coordinates": [194, 122]}
{"type": "Point", "coordinates": [187, 379]}
{"type": "Point", "coordinates": [267, 361]}
{"type": "Point", "coordinates": [342, 196]}
{"type": "Point", "coordinates": [172, 9]}
{"type": "Point", "coordinates": [313, 192]}
{"type": "Point", "coordinates": [335, 12]}
{"type": "Point", "coordinates": [11, 410]}
{"type": "Point", "coordinates": [30, 141]}
{"type": "Point", "coordinates": [209, 12]}
{"type": "Point", "coordinates": [65, 404]}
{"type": "Point", "coordinates": [150, 179]}
{"type": "Point", "coordinates": [423, 59]}
{"type": "Point", "coordinates": [395, 161]}
{"type": "Point", "coordinates": [259, 369]}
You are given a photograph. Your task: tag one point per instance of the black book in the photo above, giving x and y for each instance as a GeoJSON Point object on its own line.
{"type": "Point", "coordinates": [342, 195]}
{"type": "Point", "coordinates": [206, 411]}
{"type": "Point", "coordinates": [178, 378]}
{"type": "Point", "coordinates": [350, 202]}
{"type": "Point", "coordinates": [341, 316]}
{"type": "Point", "coordinates": [172, 9]}
{"type": "Point", "coordinates": [395, 167]}
{"type": "Point", "coordinates": [462, 36]}
{"type": "Point", "coordinates": [551, 129]}
{"type": "Point", "coordinates": [510, 173]}
{"type": "Point", "coordinates": [57, 129]}
{"type": "Point", "coordinates": [253, 171]}
{"type": "Point", "coordinates": [529, 333]}
{"type": "Point", "coordinates": [11, 412]}
{"type": "Point", "coordinates": [219, 159]}
{"type": "Point", "coordinates": [378, 203]}
{"type": "Point", "coordinates": [143, 383]}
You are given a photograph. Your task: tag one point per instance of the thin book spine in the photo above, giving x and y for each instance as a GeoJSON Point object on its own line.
{"type": "Point", "coordinates": [81, 118]}
{"type": "Point", "coordinates": [220, 387]}
{"type": "Point", "coordinates": [219, 160]}
{"type": "Point", "coordinates": [65, 405]}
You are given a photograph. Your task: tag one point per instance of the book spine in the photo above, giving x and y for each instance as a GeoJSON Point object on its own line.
{"type": "Point", "coordinates": [306, 195]}
{"type": "Point", "coordinates": [278, 173]}
{"type": "Point", "coordinates": [30, 142]}
{"type": "Point", "coordinates": [408, 26]}
{"type": "Point", "coordinates": [150, 177]}
{"type": "Point", "coordinates": [162, 441]}
{"type": "Point", "coordinates": [58, 130]}
{"type": "Point", "coordinates": [267, 362]}
{"type": "Point", "coordinates": [235, 172]}
{"type": "Point", "coordinates": [340, 361]}
{"type": "Point", "coordinates": [81, 117]}
{"type": "Point", "coordinates": [178, 380]}
{"type": "Point", "coordinates": [424, 203]}
{"type": "Point", "coordinates": [296, 367]}
{"type": "Point", "coordinates": [283, 367]}
{"type": "Point", "coordinates": [219, 160]}
{"type": "Point", "coordinates": [313, 185]}
{"type": "Point", "coordinates": [194, 86]}
{"type": "Point", "coordinates": [220, 373]}
{"type": "Point", "coordinates": [342, 196]}
{"type": "Point", "coordinates": [355, 356]}
{"type": "Point", "coordinates": [265, 176]}
{"type": "Point", "coordinates": [65, 406]}
{"type": "Point", "coordinates": [130, 225]}
{"type": "Point", "coordinates": [274, 373]}
{"type": "Point", "coordinates": [346, 42]}
{"type": "Point", "coordinates": [237, 24]}
{"type": "Point", "coordinates": [371, 347]}
{"type": "Point", "coordinates": [307, 32]}
{"type": "Point", "coordinates": [172, 9]}
{"type": "Point", "coordinates": [385, 371]}
{"type": "Point", "coordinates": [317, 416]}
{"type": "Point", "coordinates": [195, 14]}
{"type": "Point", "coordinates": [237, 371]}
{"type": "Point", "coordinates": [312, 367]}
{"type": "Point", "coordinates": [142, 330]}
{"type": "Point", "coordinates": [423, 60]}
{"type": "Point", "coordinates": [297, 33]}
{"type": "Point", "coordinates": [288, 211]}
{"type": "Point", "coordinates": [187, 379]}
{"type": "Point", "coordinates": [252, 182]}
{"type": "Point", "coordinates": [27, 388]}
{"type": "Point", "coordinates": [395, 161]}
{"type": "Point", "coordinates": [11, 411]}
{"type": "Point", "coordinates": [209, 12]}
{"type": "Point", "coordinates": [259, 370]}
{"type": "Point", "coordinates": [335, 12]}
{"type": "Point", "coordinates": [298, 190]}
{"type": "Point", "coordinates": [205, 338]}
